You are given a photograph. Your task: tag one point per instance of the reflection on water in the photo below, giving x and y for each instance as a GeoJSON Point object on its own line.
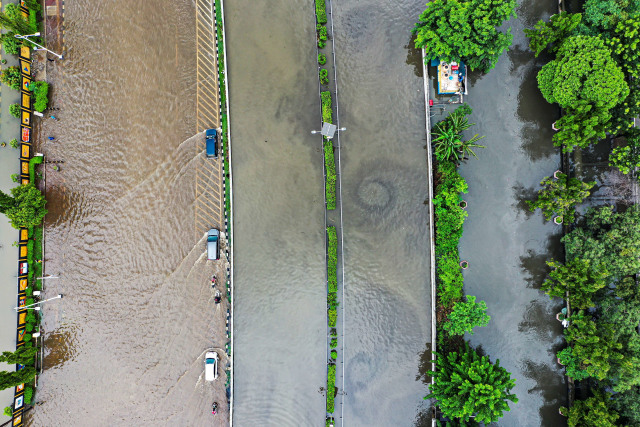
{"type": "Point", "coordinates": [507, 247]}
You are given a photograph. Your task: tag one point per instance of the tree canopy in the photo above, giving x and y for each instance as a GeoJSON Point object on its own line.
{"type": "Point", "coordinates": [468, 384]}
{"type": "Point", "coordinates": [559, 196]}
{"type": "Point", "coordinates": [608, 237]}
{"type": "Point", "coordinates": [583, 70]}
{"type": "Point", "coordinates": [605, 14]}
{"type": "Point", "coordinates": [22, 356]}
{"type": "Point", "coordinates": [593, 412]}
{"type": "Point", "coordinates": [579, 278]}
{"type": "Point", "coordinates": [467, 315]}
{"type": "Point", "coordinates": [12, 379]}
{"type": "Point", "coordinates": [25, 208]}
{"type": "Point", "coordinates": [465, 30]}
{"type": "Point", "coordinates": [553, 32]}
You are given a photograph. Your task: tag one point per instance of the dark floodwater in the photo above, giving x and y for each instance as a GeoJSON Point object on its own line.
{"type": "Point", "coordinates": [506, 245]}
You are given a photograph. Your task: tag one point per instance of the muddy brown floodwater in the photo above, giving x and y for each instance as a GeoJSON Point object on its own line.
{"type": "Point", "coordinates": [126, 344]}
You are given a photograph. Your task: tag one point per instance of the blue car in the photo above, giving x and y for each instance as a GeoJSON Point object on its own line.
{"type": "Point", "coordinates": [213, 238]}
{"type": "Point", "coordinates": [211, 138]}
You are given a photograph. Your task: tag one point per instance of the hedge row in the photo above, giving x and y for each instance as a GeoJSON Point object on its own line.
{"type": "Point", "coordinates": [331, 388]}
{"type": "Point", "coordinates": [330, 167]}
{"type": "Point", "coordinates": [321, 12]}
{"type": "Point", "coordinates": [327, 115]}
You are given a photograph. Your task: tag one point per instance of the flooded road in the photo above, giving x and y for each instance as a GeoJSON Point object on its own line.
{"type": "Point", "coordinates": [384, 186]}
{"type": "Point", "coordinates": [506, 245]}
{"type": "Point", "coordinates": [126, 344]}
{"type": "Point", "coordinates": [280, 275]}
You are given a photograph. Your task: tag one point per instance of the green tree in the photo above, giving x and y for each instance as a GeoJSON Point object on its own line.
{"type": "Point", "coordinates": [465, 30]}
{"type": "Point", "coordinates": [448, 140]}
{"type": "Point", "coordinates": [559, 27]}
{"type": "Point", "coordinates": [593, 412]}
{"type": "Point", "coordinates": [559, 196]}
{"type": "Point", "coordinates": [583, 70]}
{"type": "Point", "coordinates": [623, 43]}
{"type": "Point", "coordinates": [572, 365]}
{"type": "Point", "coordinates": [11, 77]}
{"type": "Point", "coordinates": [594, 344]}
{"type": "Point", "coordinates": [22, 356]}
{"type": "Point", "coordinates": [11, 43]}
{"type": "Point", "coordinates": [624, 113]}
{"type": "Point", "coordinates": [608, 237]}
{"type": "Point", "coordinates": [627, 404]}
{"type": "Point", "coordinates": [605, 14]}
{"type": "Point", "coordinates": [466, 316]}
{"type": "Point", "coordinates": [579, 278]}
{"type": "Point", "coordinates": [12, 379]}
{"type": "Point", "coordinates": [581, 125]}
{"type": "Point", "coordinates": [467, 384]}
{"type": "Point", "coordinates": [25, 208]}
{"type": "Point", "coordinates": [626, 158]}
{"type": "Point", "coordinates": [15, 110]}
{"type": "Point", "coordinates": [18, 24]}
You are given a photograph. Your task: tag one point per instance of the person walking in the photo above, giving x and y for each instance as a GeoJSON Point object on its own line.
{"type": "Point", "coordinates": [51, 138]}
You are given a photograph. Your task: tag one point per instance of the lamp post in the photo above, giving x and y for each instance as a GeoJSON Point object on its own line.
{"type": "Point", "coordinates": [18, 36]}
{"type": "Point", "coordinates": [48, 277]}
{"type": "Point", "coordinates": [328, 130]}
{"type": "Point", "coordinates": [26, 307]}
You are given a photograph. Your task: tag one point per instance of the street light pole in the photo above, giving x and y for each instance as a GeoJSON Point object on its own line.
{"type": "Point", "coordinates": [18, 36]}
{"type": "Point", "coordinates": [48, 277]}
{"type": "Point", "coordinates": [36, 303]}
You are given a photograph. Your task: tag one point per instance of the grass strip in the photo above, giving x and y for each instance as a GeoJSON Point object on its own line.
{"type": "Point", "coordinates": [330, 168]}
{"type": "Point", "coordinates": [326, 106]}
{"type": "Point", "coordinates": [321, 12]}
{"type": "Point", "coordinates": [331, 388]}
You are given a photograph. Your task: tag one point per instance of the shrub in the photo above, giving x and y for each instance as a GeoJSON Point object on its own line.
{"type": "Point", "coordinates": [330, 168]}
{"type": "Point", "coordinates": [334, 342]}
{"type": "Point", "coordinates": [466, 316]}
{"type": "Point", "coordinates": [11, 43]}
{"type": "Point", "coordinates": [326, 106]}
{"type": "Point", "coordinates": [33, 21]}
{"type": "Point", "coordinates": [8, 411]}
{"type": "Point", "coordinates": [12, 10]}
{"type": "Point", "coordinates": [15, 177]}
{"type": "Point", "coordinates": [323, 74]}
{"type": "Point", "coordinates": [321, 13]}
{"type": "Point", "coordinates": [28, 394]}
{"type": "Point", "coordinates": [35, 160]}
{"type": "Point", "coordinates": [11, 77]}
{"type": "Point", "coordinates": [40, 94]}
{"type": "Point", "coordinates": [15, 110]}
{"type": "Point", "coordinates": [321, 44]}
{"type": "Point", "coordinates": [334, 354]}
{"type": "Point", "coordinates": [14, 143]}
{"type": "Point", "coordinates": [322, 32]}
{"type": "Point", "coordinates": [334, 332]}
{"type": "Point", "coordinates": [332, 259]}
{"type": "Point", "coordinates": [32, 5]}
{"type": "Point", "coordinates": [449, 279]}
{"type": "Point", "coordinates": [332, 314]}
{"type": "Point", "coordinates": [322, 59]}
{"type": "Point", "coordinates": [331, 387]}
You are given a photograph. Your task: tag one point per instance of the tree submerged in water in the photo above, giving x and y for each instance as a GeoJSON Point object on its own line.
{"type": "Point", "coordinates": [25, 208]}
{"type": "Point", "coordinates": [467, 384]}
{"type": "Point", "coordinates": [560, 196]}
{"type": "Point", "coordinates": [465, 30]}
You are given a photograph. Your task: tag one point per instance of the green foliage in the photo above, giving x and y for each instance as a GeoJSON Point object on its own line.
{"type": "Point", "coordinates": [447, 137]}
{"type": "Point", "coordinates": [627, 404]}
{"type": "Point", "coordinates": [33, 21]}
{"type": "Point", "coordinates": [40, 94]}
{"type": "Point", "coordinates": [608, 237]}
{"type": "Point", "coordinates": [11, 43]}
{"type": "Point", "coordinates": [330, 170]}
{"type": "Point", "coordinates": [605, 14]}
{"type": "Point", "coordinates": [334, 354]}
{"type": "Point", "coordinates": [28, 394]}
{"type": "Point", "coordinates": [12, 379]}
{"type": "Point", "coordinates": [627, 158]}
{"type": "Point", "coordinates": [334, 343]}
{"type": "Point", "coordinates": [332, 259]}
{"type": "Point", "coordinates": [13, 11]}
{"type": "Point", "coordinates": [321, 13]}
{"type": "Point", "coordinates": [332, 315]}
{"type": "Point", "coordinates": [32, 5]}
{"type": "Point", "coordinates": [331, 387]}
{"type": "Point", "coordinates": [322, 59]}
{"type": "Point", "coordinates": [594, 345]}
{"type": "Point", "coordinates": [572, 365]}
{"type": "Point", "coordinates": [579, 278]}
{"type": "Point", "coordinates": [326, 106]}
{"type": "Point", "coordinates": [323, 74]}
{"type": "Point", "coordinates": [22, 356]}
{"type": "Point", "coordinates": [8, 411]}
{"type": "Point", "coordinates": [559, 197]}
{"type": "Point", "coordinates": [583, 70]}
{"type": "Point", "coordinates": [15, 177]}
{"type": "Point", "coordinates": [559, 27]}
{"type": "Point", "coordinates": [467, 384]}
{"type": "Point", "coordinates": [465, 30]}
{"type": "Point", "coordinates": [466, 316]}
{"type": "Point", "coordinates": [11, 77]}
{"type": "Point", "coordinates": [15, 110]}
{"type": "Point", "coordinates": [624, 113]}
{"type": "Point", "coordinates": [623, 43]}
{"type": "Point", "coordinates": [322, 33]}
{"type": "Point", "coordinates": [35, 160]}
{"type": "Point", "coordinates": [25, 208]}
{"type": "Point", "coordinates": [14, 143]}
{"type": "Point", "coordinates": [17, 24]}
{"type": "Point", "coordinates": [449, 279]}
{"type": "Point", "coordinates": [593, 412]}
{"type": "Point", "coordinates": [581, 125]}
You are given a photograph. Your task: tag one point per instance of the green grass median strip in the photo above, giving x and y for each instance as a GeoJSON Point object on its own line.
{"type": "Point", "coordinates": [330, 167]}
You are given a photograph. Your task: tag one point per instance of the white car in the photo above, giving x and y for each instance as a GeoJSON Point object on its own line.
{"type": "Point", "coordinates": [211, 366]}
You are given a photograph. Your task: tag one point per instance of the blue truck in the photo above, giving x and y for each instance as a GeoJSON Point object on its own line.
{"type": "Point", "coordinates": [211, 138]}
